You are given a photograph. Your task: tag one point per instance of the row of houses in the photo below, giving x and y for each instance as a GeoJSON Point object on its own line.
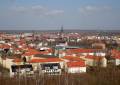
{"type": "Point", "coordinates": [21, 57]}
{"type": "Point", "coordinates": [44, 60]}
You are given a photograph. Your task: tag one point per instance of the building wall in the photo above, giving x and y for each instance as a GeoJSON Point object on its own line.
{"type": "Point", "coordinates": [117, 61]}
{"type": "Point", "coordinates": [90, 62]}
{"type": "Point", "coordinates": [76, 69]}
{"type": "Point", "coordinates": [7, 63]}
{"type": "Point", "coordinates": [37, 65]}
{"type": "Point", "coordinates": [28, 57]}
{"type": "Point", "coordinates": [104, 62]}
{"type": "Point", "coordinates": [100, 54]}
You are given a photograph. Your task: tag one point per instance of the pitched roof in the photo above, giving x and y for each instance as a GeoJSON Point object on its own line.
{"type": "Point", "coordinates": [4, 46]}
{"type": "Point", "coordinates": [17, 60]}
{"type": "Point", "coordinates": [115, 54]}
{"type": "Point", "coordinates": [72, 58]}
{"type": "Point", "coordinates": [31, 52]}
{"type": "Point", "coordinates": [45, 60]}
{"type": "Point", "coordinates": [93, 57]}
{"type": "Point", "coordinates": [45, 56]}
{"type": "Point", "coordinates": [117, 57]}
{"type": "Point", "coordinates": [80, 50]}
{"type": "Point", "coordinates": [76, 64]}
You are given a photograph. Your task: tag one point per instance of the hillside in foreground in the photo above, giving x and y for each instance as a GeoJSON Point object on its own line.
{"type": "Point", "coordinates": [95, 76]}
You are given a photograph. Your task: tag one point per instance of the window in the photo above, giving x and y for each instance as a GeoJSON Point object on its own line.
{"type": "Point", "coordinates": [55, 67]}
{"type": "Point", "coordinates": [47, 68]}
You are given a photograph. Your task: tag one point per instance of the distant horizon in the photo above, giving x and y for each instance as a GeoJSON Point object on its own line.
{"type": "Point", "coordinates": [64, 27]}
{"type": "Point", "coordinates": [58, 30]}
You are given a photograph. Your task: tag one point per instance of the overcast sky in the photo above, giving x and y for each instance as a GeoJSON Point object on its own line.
{"type": "Point", "coordinates": [51, 14]}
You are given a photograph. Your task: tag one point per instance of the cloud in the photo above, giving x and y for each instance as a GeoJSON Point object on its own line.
{"type": "Point", "coordinates": [38, 7]}
{"type": "Point", "coordinates": [55, 12]}
{"type": "Point", "coordinates": [94, 9]}
{"type": "Point", "coordinates": [10, 1]}
{"type": "Point", "coordinates": [20, 9]}
{"type": "Point", "coordinates": [36, 10]}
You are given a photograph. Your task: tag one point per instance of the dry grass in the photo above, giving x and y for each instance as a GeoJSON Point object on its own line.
{"type": "Point", "coordinates": [94, 76]}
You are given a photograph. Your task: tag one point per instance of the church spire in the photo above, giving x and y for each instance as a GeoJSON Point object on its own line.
{"type": "Point", "coordinates": [61, 32]}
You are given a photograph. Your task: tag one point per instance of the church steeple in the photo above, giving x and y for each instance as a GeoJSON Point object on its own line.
{"type": "Point", "coordinates": [61, 33]}
{"type": "Point", "coordinates": [62, 29]}
{"type": "Point", "coordinates": [61, 36]}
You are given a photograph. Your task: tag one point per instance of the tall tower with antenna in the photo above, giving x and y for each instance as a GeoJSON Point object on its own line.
{"type": "Point", "coordinates": [33, 35]}
{"type": "Point", "coordinates": [62, 28]}
{"type": "Point", "coordinates": [61, 33]}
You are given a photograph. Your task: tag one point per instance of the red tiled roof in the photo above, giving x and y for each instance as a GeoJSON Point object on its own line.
{"type": "Point", "coordinates": [31, 52]}
{"type": "Point", "coordinates": [34, 53]}
{"type": "Point", "coordinates": [93, 57]}
{"type": "Point", "coordinates": [22, 41]}
{"type": "Point", "coordinates": [117, 57]}
{"type": "Point", "coordinates": [4, 46]}
{"type": "Point", "coordinates": [17, 60]}
{"type": "Point", "coordinates": [45, 60]}
{"type": "Point", "coordinates": [80, 50]}
{"type": "Point", "coordinates": [76, 64]}
{"type": "Point", "coordinates": [71, 58]}
{"type": "Point", "coordinates": [18, 49]}
{"type": "Point", "coordinates": [115, 54]}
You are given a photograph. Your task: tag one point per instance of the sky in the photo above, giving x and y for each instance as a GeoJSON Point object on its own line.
{"type": "Point", "coordinates": [52, 14]}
